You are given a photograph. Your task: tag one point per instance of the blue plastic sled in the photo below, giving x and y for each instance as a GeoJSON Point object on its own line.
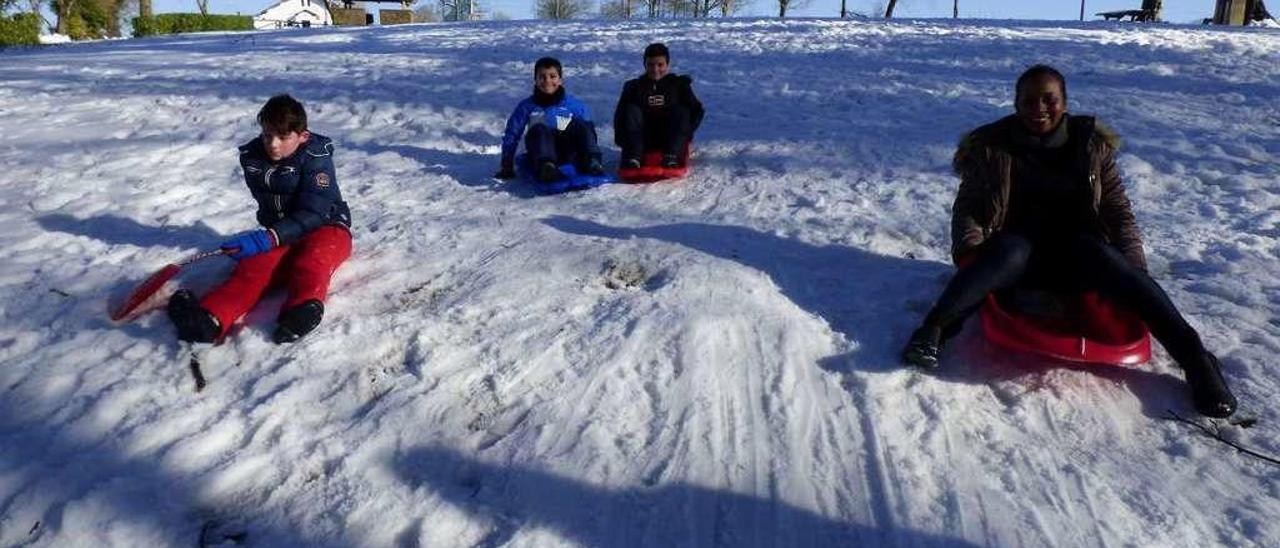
{"type": "Point", "coordinates": [570, 178]}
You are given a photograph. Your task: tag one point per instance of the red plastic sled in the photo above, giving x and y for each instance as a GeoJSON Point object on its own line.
{"type": "Point", "coordinates": [153, 283]}
{"type": "Point", "coordinates": [1090, 330]}
{"type": "Point", "coordinates": [651, 170]}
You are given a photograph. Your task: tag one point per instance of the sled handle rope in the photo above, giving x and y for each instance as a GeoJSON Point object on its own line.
{"type": "Point", "coordinates": [153, 283]}
{"type": "Point", "coordinates": [1213, 433]}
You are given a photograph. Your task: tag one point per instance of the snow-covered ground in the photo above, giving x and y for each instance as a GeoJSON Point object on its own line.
{"type": "Point", "coordinates": [711, 362]}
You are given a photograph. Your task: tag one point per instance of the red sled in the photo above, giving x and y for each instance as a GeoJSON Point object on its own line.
{"type": "Point", "coordinates": [148, 287]}
{"type": "Point", "coordinates": [651, 170]}
{"type": "Point", "coordinates": [1086, 329]}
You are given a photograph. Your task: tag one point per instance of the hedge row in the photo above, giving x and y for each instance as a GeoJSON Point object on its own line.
{"type": "Point", "coordinates": [176, 23]}
{"type": "Point", "coordinates": [20, 29]}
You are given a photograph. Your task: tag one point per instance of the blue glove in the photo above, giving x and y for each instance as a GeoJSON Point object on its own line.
{"type": "Point", "coordinates": [249, 244]}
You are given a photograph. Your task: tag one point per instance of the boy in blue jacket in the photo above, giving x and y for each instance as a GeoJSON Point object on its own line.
{"type": "Point", "coordinates": [559, 126]}
{"type": "Point", "coordinates": [305, 234]}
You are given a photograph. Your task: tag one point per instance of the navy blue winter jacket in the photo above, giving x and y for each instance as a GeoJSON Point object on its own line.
{"type": "Point", "coordinates": [298, 194]}
{"type": "Point", "coordinates": [529, 112]}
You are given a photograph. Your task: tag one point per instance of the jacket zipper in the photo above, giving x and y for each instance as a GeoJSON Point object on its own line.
{"type": "Point", "coordinates": [266, 179]}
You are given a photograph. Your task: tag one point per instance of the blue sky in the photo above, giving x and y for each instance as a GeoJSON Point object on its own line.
{"type": "Point", "coordinates": [1178, 11]}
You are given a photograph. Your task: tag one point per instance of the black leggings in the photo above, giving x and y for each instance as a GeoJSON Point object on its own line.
{"type": "Point", "coordinates": [1075, 263]}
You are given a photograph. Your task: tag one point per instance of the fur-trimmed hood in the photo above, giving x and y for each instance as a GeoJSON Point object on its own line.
{"type": "Point", "coordinates": [984, 162]}
{"type": "Point", "coordinates": [1000, 134]}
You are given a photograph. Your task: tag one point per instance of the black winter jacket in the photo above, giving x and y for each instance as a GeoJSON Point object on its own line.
{"type": "Point", "coordinates": [656, 96]}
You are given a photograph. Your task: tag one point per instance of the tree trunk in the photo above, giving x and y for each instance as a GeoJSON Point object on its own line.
{"type": "Point", "coordinates": [204, 6]}
{"type": "Point", "coordinates": [144, 8]}
{"type": "Point", "coordinates": [1082, 10]}
{"type": "Point", "coordinates": [955, 9]}
{"type": "Point", "coordinates": [888, 12]}
{"type": "Point", "coordinates": [782, 8]}
{"type": "Point", "coordinates": [65, 7]}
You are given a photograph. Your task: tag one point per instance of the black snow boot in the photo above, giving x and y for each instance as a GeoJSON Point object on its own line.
{"type": "Point", "coordinates": [670, 161]}
{"type": "Point", "coordinates": [1209, 389]}
{"type": "Point", "coordinates": [595, 167]}
{"type": "Point", "coordinates": [548, 172]}
{"type": "Point", "coordinates": [924, 347]}
{"type": "Point", "coordinates": [298, 321]}
{"type": "Point", "coordinates": [194, 323]}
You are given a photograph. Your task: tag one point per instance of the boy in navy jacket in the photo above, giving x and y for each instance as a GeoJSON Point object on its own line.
{"type": "Point", "coordinates": [656, 111]}
{"type": "Point", "coordinates": [305, 232]}
{"type": "Point", "coordinates": [559, 127]}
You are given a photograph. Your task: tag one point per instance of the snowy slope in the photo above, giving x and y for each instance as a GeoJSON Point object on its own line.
{"type": "Point", "coordinates": [705, 363]}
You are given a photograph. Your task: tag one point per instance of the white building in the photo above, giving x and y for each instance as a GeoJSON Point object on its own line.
{"type": "Point", "coordinates": [294, 13]}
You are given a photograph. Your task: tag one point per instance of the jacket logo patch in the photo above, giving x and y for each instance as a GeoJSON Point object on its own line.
{"type": "Point", "coordinates": [657, 100]}
{"type": "Point", "coordinates": [322, 180]}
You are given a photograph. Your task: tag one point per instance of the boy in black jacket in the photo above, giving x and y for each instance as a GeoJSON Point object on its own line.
{"type": "Point", "coordinates": [656, 111]}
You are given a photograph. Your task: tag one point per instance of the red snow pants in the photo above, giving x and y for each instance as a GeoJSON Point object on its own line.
{"type": "Point", "coordinates": [303, 267]}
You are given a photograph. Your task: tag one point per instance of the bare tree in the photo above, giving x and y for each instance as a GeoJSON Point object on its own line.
{"type": "Point", "coordinates": [203, 5]}
{"type": "Point", "coordinates": [888, 12]}
{"type": "Point", "coordinates": [426, 13]}
{"type": "Point", "coordinates": [784, 5]}
{"type": "Point", "coordinates": [955, 9]}
{"type": "Point", "coordinates": [704, 8]}
{"type": "Point", "coordinates": [656, 9]}
{"type": "Point", "coordinates": [455, 10]}
{"type": "Point", "coordinates": [730, 7]}
{"type": "Point", "coordinates": [665, 8]}
{"type": "Point", "coordinates": [562, 9]}
{"type": "Point", "coordinates": [681, 8]}
{"type": "Point", "coordinates": [616, 9]}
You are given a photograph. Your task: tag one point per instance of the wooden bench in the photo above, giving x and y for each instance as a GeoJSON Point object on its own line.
{"type": "Point", "coordinates": [1133, 15]}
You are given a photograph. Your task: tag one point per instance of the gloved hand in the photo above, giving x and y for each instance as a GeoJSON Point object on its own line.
{"type": "Point", "coordinates": [508, 170]}
{"type": "Point", "coordinates": [249, 244]}
{"type": "Point", "coordinates": [595, 167]}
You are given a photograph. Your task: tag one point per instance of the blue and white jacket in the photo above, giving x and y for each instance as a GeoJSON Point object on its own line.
{"type": "Point", "coordinates": [529, 112]}
{"type": "Point", "coordinates": [297, 194]}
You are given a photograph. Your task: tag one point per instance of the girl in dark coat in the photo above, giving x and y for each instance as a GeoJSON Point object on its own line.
{"type": "Point", "coordinates": [1041, 202]}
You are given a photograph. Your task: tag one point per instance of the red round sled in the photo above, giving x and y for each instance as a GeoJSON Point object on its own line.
{"type": "Point", "coordinates": [1086, 328]}
{"type": "Point", "coordinates": [651, 170]}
